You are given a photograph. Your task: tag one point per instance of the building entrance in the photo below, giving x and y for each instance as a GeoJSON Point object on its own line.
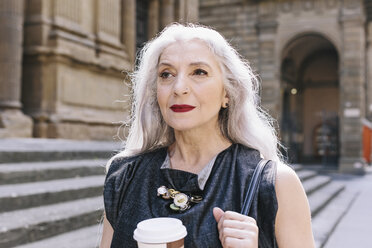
{"type": "Point", "coordinates": [310, 100]}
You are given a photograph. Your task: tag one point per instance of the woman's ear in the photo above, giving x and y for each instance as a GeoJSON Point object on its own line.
{"type": "Point", "coordinates": [225, 102]}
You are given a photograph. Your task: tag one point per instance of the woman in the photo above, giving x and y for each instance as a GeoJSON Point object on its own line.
{"type": "Point", "coordinates": [197, 129]}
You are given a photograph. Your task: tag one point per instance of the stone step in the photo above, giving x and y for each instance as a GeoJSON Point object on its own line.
{"type": "Point", "coordinates": [33, 224]}
{"type": "Point", "coordinates": [296, 167]}
{"type": "Point", "coordinates": [32, 150]}
{"type": "Point", "coordinates": [88, 237]}
{"type": "Point", "coordinates": [315, 183]}
{"type": "Point", "coordinates": [306, 174]}
{"type": "Point", "coordinates": [11, 173]}
{"type": "Point", "coordinates": [320, 198]}
{"type": "Point", "coordinates": [327, 219]}
{"type": "Point", "coordinates": [26, 195]}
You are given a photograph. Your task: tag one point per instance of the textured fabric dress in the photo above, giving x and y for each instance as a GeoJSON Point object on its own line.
{"type": "Point", "coordinates": [130, 195]}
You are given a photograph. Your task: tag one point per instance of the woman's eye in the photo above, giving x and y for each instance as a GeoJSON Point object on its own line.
{"type": "Point", "coordinates": [200, 72]}
{"type": "Point", "coordinates": [165, 75]}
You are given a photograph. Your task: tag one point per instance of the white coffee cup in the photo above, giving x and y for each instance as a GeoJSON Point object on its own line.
{"type": "Point", "coordinates": [160, 233]}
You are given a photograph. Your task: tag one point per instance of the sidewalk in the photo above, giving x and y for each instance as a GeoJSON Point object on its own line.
{"type": "Point", "coordinates": [39, 144]}
{"type": "Point", "coordinates": [355, 228]}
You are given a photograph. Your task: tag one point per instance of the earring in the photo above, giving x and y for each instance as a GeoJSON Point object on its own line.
{"type": "Point", "coordinates": [226, 105]}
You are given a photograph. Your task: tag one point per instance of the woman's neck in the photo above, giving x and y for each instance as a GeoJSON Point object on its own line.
{"type": "Point", "coordinates": [193, 149]}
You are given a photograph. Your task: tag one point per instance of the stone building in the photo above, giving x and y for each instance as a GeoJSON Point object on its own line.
{"type": "Point", "coordinates": [313, 58]}
{"type": "Point", "coordinates": [64, 63]}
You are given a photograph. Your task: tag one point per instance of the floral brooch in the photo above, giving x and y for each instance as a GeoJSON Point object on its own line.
{"type": "Point", "coordinates": [181, 201]}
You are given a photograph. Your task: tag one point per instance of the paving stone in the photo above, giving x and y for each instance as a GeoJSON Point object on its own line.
{"type": "Point", "coordinates": [88, 237]}
{"type": "Point", "coordinates": [73, 223]}
{"type": "Point", "coordinates": [326, 220]}
{"type": "Point", "coordinates": [40, 171]}
{"type": "Point", "coordinates": [39, 144]}
{"type": "Point", "coordinates": [323, 196]}
{"type": "Point", "coordinates": [28, 225]}
{"type": "Point", "coordinates": [24, 195]}
{"type": "Point", "coordinates": [315, 183]}
{"type": "Point", "coordinates": [296, 167]}
{"type": "Point", "coordinates": [306, 174]}
{"type": "Point", "coordinates": [28, 150]}
{"type": "Point", "coordinates": [354, 227]}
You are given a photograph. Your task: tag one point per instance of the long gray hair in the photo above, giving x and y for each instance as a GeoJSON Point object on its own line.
{"type": "Point", "coordinates": [242, 122]}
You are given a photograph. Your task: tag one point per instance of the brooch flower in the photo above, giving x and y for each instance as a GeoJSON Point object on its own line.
{"type": "Point", "coordinates": [181, 201]}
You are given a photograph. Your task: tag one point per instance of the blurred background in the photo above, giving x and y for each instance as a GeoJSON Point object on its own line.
{"type": "Point", "coordinates": [64, 92]}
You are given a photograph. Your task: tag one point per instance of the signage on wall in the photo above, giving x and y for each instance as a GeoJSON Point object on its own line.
{"type": "Point", "coordinates": [352, 112]}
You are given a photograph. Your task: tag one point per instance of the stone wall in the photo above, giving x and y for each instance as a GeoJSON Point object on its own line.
{"type": "Point", "coordinates": [13, 122]}
{"type": "Point", "coordinates": [74, 59]}
{"type": "Point", "coordinates": [262, 32]}
{"type": "Point", "coordinates": [65, 63]}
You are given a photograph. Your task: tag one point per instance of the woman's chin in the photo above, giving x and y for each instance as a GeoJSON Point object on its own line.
{"type": "Point", "coordinates": [182, 128]}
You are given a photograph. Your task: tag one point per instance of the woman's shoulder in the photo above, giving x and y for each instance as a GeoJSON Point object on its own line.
{"type": "Point", "coordinates": [293, 217]}
{"type": "Point", "coordinates": [247, 154]}
{"type": "Point", "coordinates": [287, 180]}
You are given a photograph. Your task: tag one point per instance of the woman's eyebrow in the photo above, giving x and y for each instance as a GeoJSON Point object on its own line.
{"type": "Point", "coordinates": [164, 64]}
{"type": "Point", "coordinates": [199, 63]}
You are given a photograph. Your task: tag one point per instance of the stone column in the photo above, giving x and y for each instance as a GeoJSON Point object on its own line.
{"type": "Point", "coordinates": [153, 24]}
{"type": "Point", "coordinates": [167, 14]}
{"type": "Point", "coordinates": [369, 60]}
{"type": "Point", "coordinates": [13, 123]}
{"type": "Point", "coordinates": [129, 27]}
{"type": "Point", "coordinates": [352, 85]}
{"type": "Point", "coordinates": [187, 11]}
{"type": "Point", "coordinates": [267, 27]}
{"type": "Point", "coordinates": [192, 10]}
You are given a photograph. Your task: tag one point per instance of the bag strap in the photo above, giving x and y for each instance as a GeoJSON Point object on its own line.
{"type": "Point", "coordinates": [253, 186]}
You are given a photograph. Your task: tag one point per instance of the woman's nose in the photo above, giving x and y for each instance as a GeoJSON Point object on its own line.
{"type": "Point", "coordinates": [181, 85]}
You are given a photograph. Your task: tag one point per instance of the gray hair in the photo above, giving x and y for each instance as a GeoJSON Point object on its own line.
{"type": "Point", "coordinates": [242, 122]}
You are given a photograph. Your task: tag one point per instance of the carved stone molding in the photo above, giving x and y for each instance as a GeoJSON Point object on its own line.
{"type": "Point", "coordinates": [296, 6]}
{"type": "Point", "coordinates": [285, 5]}
{"type": "Point", "coordinates": [68, 9]}
{"type": "Point", "coordinates": [65, 15]}
{"type": "Point", "coordinates": [352, 13]}
{"type": "Point", "coordinates": [308, 5]}
{"type": "Point", "coordinates": [331, 3]}
{"type": "Point", "coordinates": [109, 16]}
{"type": "Point", "coordinates": [267, 8]}
{"type": "Point", "coordinates": [11, 8]}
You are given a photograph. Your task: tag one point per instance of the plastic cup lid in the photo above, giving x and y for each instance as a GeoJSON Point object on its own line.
{"type": "Point", "coordinates": [159, 230]}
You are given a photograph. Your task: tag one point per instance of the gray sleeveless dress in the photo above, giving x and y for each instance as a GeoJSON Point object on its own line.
{"type": "Point", "coordinates": [130, 195]}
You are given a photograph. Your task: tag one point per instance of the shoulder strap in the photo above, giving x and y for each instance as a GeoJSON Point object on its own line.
{"type": "Point", "coordinates": [253, 186]}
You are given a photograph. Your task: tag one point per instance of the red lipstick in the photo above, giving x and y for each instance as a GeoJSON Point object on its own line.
{"type": "Point", "coordinates": [181, 108]}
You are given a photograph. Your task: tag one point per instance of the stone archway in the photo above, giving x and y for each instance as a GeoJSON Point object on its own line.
{"type": "Point", "coordinates": [310, 100]}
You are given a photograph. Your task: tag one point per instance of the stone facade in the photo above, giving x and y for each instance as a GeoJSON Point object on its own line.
{"type": "Point", "coordinates": [313, 59]}
{"type": "Point", "coordinates": [65, 63]}
{"type": "Point", "coordinates": [13, 123]}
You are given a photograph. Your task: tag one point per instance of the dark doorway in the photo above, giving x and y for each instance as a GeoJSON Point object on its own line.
{"type": "Point", "coordinates": [310, 94]}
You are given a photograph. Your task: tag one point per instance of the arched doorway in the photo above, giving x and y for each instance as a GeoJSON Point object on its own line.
{"type": "Point", "coordinates": [310, 100]}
